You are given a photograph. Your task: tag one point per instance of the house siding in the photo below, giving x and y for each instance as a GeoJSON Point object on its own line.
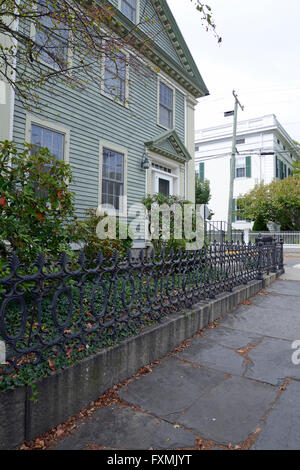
{"type": "Point", "coordinates": [91, 118]}
{"type": "Point", "coordinates": [154, 28]}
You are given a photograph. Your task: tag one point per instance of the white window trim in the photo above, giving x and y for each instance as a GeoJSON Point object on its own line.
{"type": "Point", "coordinates": [102, 88]}
{"type": "Point", "coordinates": [31, 119]}
{"type": "Point", "coordinates": [167, 83]}
{"type": "Point", "coordinates": [69, 51]}
{"type": "Point", "coordinates": [116, 148]}
{"type": "Point", "coordinates": [138, 8]}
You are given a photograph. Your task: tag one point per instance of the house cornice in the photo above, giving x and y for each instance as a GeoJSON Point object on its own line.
{"type": "Point", "coordinates": [186, 75]}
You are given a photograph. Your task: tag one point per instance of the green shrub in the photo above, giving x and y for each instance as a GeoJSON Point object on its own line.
{"type": "Point", "coordinates": [260, 224]}
{"type": "Point", "coordinates": [36, 204]}
{"type": "Point", "coordinates": [85, 234]}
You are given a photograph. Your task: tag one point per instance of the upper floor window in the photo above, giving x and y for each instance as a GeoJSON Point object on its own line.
{"type": "Point", "coordinates": [51, 37]}
{"type": "Point", "coordinates": [240, 167]}
{"type": "Point", "coordinates": [115, 83]}
{"type": "Point", "coordinates": [243, 167]}
{"type": "Point", "coordinates": [129, 9]}
{"type": "Point", "coordinates": [166, 105]}
{"type": "Point", "coordinates": [53, 140]}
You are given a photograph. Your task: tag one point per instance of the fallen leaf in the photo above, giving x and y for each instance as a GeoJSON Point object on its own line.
{"type": "Point", "coordinates": [51, 364]}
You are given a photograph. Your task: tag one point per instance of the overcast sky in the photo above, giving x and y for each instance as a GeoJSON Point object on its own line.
{"type": "Point", "coordinates": [259, 58]}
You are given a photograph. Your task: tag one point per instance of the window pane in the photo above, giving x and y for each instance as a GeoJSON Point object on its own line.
{"type": "Point", "coordinates": [36, 135]}
{"type": "Point", "coordinates": [240, 172]}
{"type": "Point", "coordinates": [58, 146]}
{"type": "Point", "coordinates": [47, 139]}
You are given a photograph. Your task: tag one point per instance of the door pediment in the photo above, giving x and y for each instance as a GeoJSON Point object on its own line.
{"type": "Point", "coordinates": [169, 145]}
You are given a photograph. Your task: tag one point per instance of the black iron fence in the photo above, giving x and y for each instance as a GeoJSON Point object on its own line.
{"type": "Point", "coordinates": [217, 231]}
{"type": "Point", "coordinates": [54, 310]}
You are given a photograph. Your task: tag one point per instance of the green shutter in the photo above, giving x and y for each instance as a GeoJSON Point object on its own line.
{"type": "Point", "coordinates": [281, 170]}
{"type": "Point", "coordinates": [233, 210]}
{"type": "Point", "coordinates": [201, 171]}
{"type": "Point", "coordinates": [276, 162]}
{"type": "Point", "coordinates": [285, 171]}
{"type": "Point", "coordinates": [248, 167]}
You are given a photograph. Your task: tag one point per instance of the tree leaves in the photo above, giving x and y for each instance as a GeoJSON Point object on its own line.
{"type": "Point", "coordinates": [277, 202]}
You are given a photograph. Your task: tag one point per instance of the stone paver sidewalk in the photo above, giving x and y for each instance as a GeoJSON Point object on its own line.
{"type": "Point", "coordinates": [234, 385]}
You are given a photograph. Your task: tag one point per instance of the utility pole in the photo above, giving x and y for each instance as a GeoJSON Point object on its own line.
{"type": "Point", "coordinates": [232, 165]}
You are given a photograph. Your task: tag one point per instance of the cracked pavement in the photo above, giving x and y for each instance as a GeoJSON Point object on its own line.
{"type": "Point", "coordinates": [232, 386]}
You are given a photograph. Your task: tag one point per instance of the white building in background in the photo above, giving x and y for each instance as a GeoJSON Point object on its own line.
{"type": "Point", "coordinates": [265, 152]}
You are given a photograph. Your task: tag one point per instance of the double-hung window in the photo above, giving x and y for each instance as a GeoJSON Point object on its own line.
{"type": "Point", "coordinates": [51, 37]}
{"type": "Point", "coordinates": [129, 9]}
{"type": "Point", "coordinates": [166, 104]}
{"type": "Point", "coordinates": [53, 140]}
{"type": "Point", "coordinates": [243, 167]}
{"type": "Point", "coordinates": [115, 77]}
{"type": "Point", "coordinates": [112, 178]}
{"type": "Point", "coordinates": [240, 167]}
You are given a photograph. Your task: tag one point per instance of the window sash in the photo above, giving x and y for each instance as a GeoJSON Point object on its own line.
{"type": "Point", "coordinates": [112, 177]}
{"type": "Point", "coordinates": [45, 137]}
{"type": "Point", "coordinates": [165, 117]}
{"type": "Point", "coordinates": [128, 8]}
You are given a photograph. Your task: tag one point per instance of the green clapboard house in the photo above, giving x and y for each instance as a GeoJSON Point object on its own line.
{"type": "Point", "coordinates": [109, 144]}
